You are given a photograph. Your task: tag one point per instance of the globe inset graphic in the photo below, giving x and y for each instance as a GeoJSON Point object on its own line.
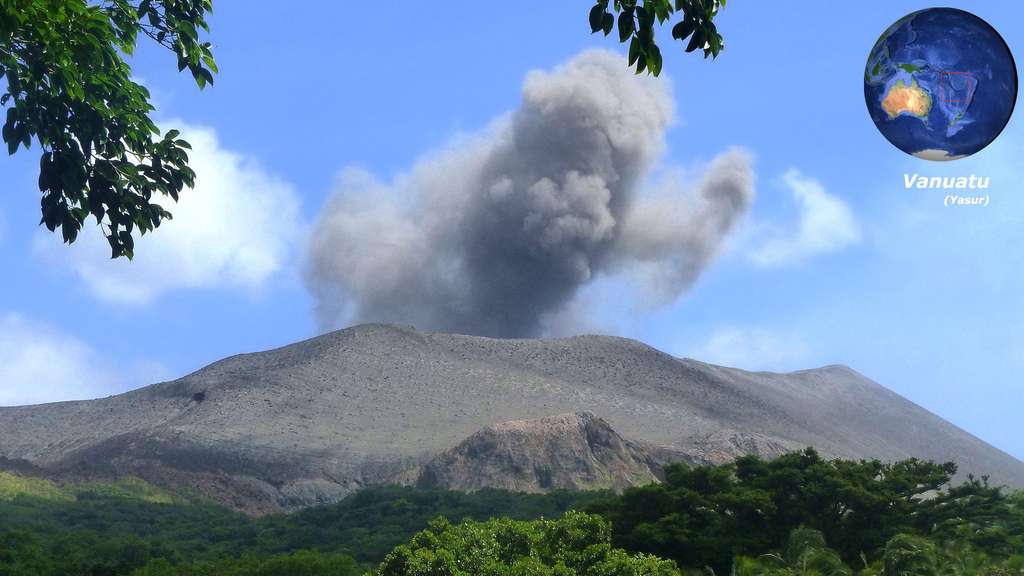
{"type": "Point", "coordinates": [940, 84]}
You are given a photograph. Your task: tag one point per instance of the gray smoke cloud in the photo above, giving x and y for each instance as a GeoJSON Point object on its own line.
{"type": "Point", "coordinates": [497, 232]}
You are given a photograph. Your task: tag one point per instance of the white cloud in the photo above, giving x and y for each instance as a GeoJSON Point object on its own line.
{"type": "Point", "coordinates": [826, 225]}
{"type": "Point", "coordinates": [236, 228]}
{"type": "Point", "coordinates": [38, 363]}
{"type": "Point", "coordinates": [753, 348]}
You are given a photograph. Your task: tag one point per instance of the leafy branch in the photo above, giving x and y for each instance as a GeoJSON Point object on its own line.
{"type": "Point", "coordinates": [69, 88]}
{"type": "Point", "coordinates": [635, 23]}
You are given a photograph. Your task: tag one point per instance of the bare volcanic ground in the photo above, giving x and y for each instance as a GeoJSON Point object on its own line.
{"type": "Point", "coordinates": [575, 451]}
{"type": "Point", "coordinates": [313, 421]}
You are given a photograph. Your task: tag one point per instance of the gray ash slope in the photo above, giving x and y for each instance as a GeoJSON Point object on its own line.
{"type": "Point", "coordinates": [577, 451]}
{"type": "Point", "coordinates": [313, 421]}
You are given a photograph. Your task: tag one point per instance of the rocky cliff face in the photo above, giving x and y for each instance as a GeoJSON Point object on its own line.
{"type": "Point", "coordinates": [577, 451]}
{"type": "Point", "coordinates": [311, 422]}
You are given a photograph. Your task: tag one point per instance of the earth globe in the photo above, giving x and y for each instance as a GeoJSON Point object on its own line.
{"type": "Point", "coordinates": [940, 84]}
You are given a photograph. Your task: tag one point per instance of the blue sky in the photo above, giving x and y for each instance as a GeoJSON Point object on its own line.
{"type": "Point", "coordinates": [922, 298]}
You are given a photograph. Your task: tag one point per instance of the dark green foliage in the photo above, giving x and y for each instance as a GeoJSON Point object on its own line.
{"type": "Point", "coordinates": [706, 516]}
{"type": "Point", "coordinates": [112, 535]}
{"type": "Point", "coordinates": [301, 563]}
{"type": "Point", "coordinates": [797, 514]}
{"type": "Point", "coordinates": [577, 544]}
{"type": "Point", "coordinates": [21, 554]}
{"type": "Point", "coordinates": [805, 553]}
{"type": "Point", "coordinates": [903, 555]}
{"type": "Point", "coordinates": [907, 555]}
{"type": "Point", "coordinates": [634, 21]}
{"type": "Point", "coordinates": [69, 88]}
{"type": "Point", "coordinates": [372, 522]}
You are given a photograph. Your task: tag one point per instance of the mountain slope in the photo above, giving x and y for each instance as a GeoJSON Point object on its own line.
{"type": "Point", "coordinates": [313, 421]}
{"type": "Point", "coordinates": [576, 451]}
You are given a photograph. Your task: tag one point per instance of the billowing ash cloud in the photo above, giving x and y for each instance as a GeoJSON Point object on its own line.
{"type": "Point", "coordinates": [496, 233]}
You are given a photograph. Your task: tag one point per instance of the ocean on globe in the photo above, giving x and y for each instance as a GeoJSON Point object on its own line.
{"type": "Point", "coordinates": [940, 84]}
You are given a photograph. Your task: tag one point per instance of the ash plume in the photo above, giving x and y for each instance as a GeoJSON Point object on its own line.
{"type": "Point", "coordinates": [497, 232]}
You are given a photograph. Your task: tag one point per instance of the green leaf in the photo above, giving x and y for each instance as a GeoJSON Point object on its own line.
{"type": "Point", "coordinates": [662, 9]}
{"type": "Point", "coordinates": [645, 22]}
{"type": "Point", "coordinates": [210, 62]}
{"type": "Point", "coordinates": [69, 228]}
{"type": "Point", "coordinates": [608, 23]}
{"type": "Point", "coordinates": [625, 25]}
{"type": "Point", "coordinates": [206, 76]}
{"type": "Point", "coordinates": [641, 64]}
{"type": "Point", "coordinates": [634, 50]}
{"type": "Point", "coordinates": [654, 59]}
{"type": "Point", "coordinates": [696, 41]}
{"type": "Point", "coordinates": [596, 17]}
{"type": "Point", "coordinates": [683, 29]}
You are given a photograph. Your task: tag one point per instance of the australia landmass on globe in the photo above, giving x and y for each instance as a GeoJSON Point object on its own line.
{"type": "Point", "coordinates": [940, 84]}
